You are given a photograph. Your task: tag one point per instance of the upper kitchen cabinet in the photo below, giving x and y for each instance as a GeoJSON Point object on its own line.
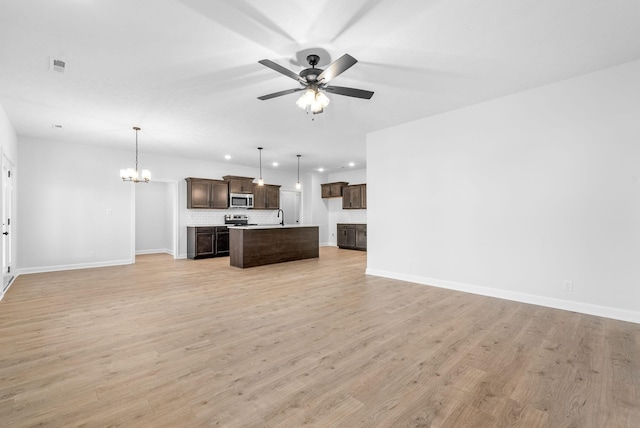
{"type": "Point", "coordinates": [354, 197]}
{"type": "Point", "coordinates": [363, 196]}
{"type": "Point", "coordinates": [333, 190]}
{"type": "Point", "coordinates": [207, 194]}
{"type": "Point", "coordinates": [239, 184]}
{"type": "Point", "coordinates": [219, 194]}
{"type": "Point", "coordinates": [266, 197]}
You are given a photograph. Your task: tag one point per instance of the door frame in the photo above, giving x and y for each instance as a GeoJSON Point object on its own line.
{"type": "Point", "coordinates": [173, 185]}
{"type": "Point", "coordinates": [5, 161]}
{"type": "Point", "coordinates": [300, 207]}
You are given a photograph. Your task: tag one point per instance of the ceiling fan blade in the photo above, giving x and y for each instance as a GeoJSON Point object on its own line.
{"type": "Point", "coordinates": [280, 69]}
{"type": "Point", "coordinates": [336, 68]}
{"type": "Point", "coordinates": [279, 94]}
{"type": "Point", "coordinates": [349, 92]}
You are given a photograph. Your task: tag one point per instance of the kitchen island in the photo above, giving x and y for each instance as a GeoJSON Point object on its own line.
{"type": "Point", "coordinates": [251, 246]}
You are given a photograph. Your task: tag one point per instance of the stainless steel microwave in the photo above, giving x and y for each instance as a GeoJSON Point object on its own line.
{"type": "Point", "coordinates": [240, 200]}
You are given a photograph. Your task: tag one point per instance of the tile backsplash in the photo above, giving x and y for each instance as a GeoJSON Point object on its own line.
{"type": "Point", "coordinates": [216, 217]}
{"type": "Point", "coordinates": [351, 216]}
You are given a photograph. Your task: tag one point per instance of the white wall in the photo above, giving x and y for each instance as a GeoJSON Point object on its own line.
{"type": "Point", "coordinates": [8, 137]}
{"type": "Point", "coordinates": [155, 206]}
{"type": "Point", "coordinates": [314, 207]}
{"type": "Point", "coordinates": [68, 190]}
{"type": "Point", "coordinates": [73, 210]}
{"type": "Point", "coordinates": [515, 196]}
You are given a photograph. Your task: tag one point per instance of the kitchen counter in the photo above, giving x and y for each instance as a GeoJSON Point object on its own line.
{"type": "Point", "coordinates": [270, 226]}
{"type": "Point", "coordinates": [272, 243]}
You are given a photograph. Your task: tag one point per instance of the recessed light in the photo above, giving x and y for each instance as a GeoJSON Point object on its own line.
{"type": "Point", "coordinates": [275, 164]}
{"type": "Point", "coordinates": [321, 169]}
{"type": "Point", "coordinates": [352, 164]}
{"type": "Point", "coordinates": [227, 157]}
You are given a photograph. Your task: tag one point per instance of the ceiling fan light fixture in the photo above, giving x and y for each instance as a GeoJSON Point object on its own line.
{"type": "Point", "coordinates": [313, 100]}
{"type": "Point", "coordinates": [316, 108]}
{"type": "Point", "coordinates": [314, 80]}
{"type": "Point", "coordinates": [322, 99]}
{"type": "Point", "coordinates": [306, 99]}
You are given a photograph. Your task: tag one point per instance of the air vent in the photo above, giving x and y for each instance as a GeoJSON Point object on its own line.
{"type": "Point", "coordinates": [56, 65]}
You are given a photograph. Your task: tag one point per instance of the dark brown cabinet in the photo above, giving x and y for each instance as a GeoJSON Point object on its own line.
{"type": "Point", "coordinates": [207, 194]}
{"type": "Point", "coordinates": [333, 190]}
{"type": "Point", "coordinates": [198, 193]}
{"type": "Point", "coordinates": [273, 197]}
{"type": "Point", "coordinates": [361, 236]}
{"type": "Point", "coordinates": [206, 242]}
{"type": "Point", "coordinates": [239, 184]}
{"type": "Point", "coordinates": [266, 197]}
{"type": "Point", "coordinates": [354, 197]}
{"type": "Point", "coordinates": [219, 194]}
{"type": "Point", "coordinates": [363, 196]}
{"type": "Point", "coordinates": [346, 236]}
{"type": "Point", "coordinates": [352, 236]}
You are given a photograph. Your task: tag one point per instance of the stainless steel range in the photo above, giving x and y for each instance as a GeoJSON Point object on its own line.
{"type": "Point", "coordinates": [237, 220]}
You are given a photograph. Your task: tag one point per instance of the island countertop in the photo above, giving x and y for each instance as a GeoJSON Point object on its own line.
{"type": "Point", "coordinates": [272, 226]}
{"type": "Point", "coordinates": [267, 244]}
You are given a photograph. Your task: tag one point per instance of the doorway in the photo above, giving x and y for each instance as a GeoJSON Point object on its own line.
{"type": "Point", "coordinates": [290, 204]}
{"type": "Point", "coordinates": [8, 271]}
{"type": "Point", "coordinates": [155, 218]}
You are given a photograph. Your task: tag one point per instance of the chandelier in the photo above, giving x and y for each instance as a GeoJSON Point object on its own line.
{"type": "Point", "coordinates": [131, 174]}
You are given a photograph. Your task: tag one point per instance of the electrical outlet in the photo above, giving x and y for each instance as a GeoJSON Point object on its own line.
{"type": "Point", "coordinates": [568, 285]}
{"type": "Point", "coordinates": [109, 211]}
{"type": "Point", "coordinates": [92, 254]}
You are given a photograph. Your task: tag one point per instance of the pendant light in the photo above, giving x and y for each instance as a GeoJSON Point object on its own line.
{"type": "Point", "coordinates": [131, 174]}
{"type": "Point", "coordinates": [260, 181]}
{"type": "Point", "coordinates": [298, 185]}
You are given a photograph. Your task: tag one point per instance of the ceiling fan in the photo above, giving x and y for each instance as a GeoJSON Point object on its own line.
{"type": "Point", "coordinates": [315, 82]}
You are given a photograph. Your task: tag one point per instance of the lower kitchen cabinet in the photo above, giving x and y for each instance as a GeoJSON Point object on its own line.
{"type": "Point", "coordinates": [208, 241]}
{"type": "Point", "coordinates": [352, 236]}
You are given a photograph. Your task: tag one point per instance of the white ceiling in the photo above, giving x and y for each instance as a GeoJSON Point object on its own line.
{"type": "Point", "coordinates": [187, 72]}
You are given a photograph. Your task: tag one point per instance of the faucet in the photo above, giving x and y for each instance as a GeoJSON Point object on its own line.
{"type": "Point", "coordinates": [282, 222]}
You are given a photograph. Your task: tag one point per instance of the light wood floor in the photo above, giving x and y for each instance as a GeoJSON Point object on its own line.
{"type": "Point", "coordinates": [310, 343]}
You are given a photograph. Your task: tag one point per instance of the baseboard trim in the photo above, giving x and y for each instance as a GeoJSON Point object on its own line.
{"type": "Point", "coordinates": [5, 289]}
{"type": "Point", "coordinates": [44, 269]}
{"type": "Point", "coordinates": [567, 305]}
{"type": "Point", "coordinates": [158, 251]}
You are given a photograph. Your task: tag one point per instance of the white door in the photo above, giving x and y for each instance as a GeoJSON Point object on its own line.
{"type": "Point", "coordinates": [290, 204]}
{"type": "Point", "coordinates": [7, 215]}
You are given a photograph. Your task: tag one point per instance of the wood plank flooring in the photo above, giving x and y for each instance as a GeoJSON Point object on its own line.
{"type": "Point", "coordinates": [183, 343]}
